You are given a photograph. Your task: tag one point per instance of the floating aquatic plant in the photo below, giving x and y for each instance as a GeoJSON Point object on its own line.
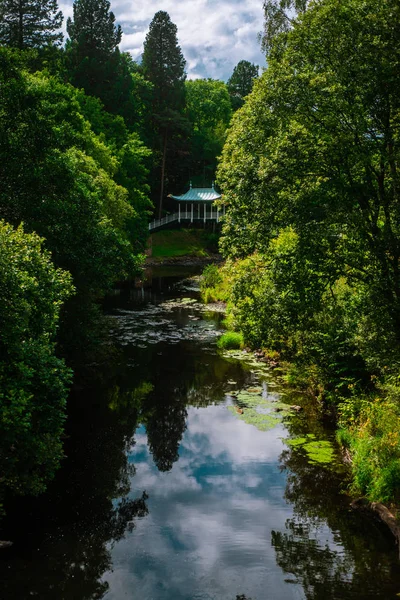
{"type": "Point", "coordinates": [317, 451]}
{"type": "Point", "coordinates": [251, 416]}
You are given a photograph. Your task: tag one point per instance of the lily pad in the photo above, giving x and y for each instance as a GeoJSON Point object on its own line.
{"type": "Point", "coordinates": [318, 451]}
{"type": "Point", "coordinates": [251, 416]}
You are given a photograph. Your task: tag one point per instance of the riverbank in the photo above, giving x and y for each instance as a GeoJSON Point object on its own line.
{"type": "Point", "coordinates": [366, 416]}
{"type": "Point", "coordinates": [183, 261]}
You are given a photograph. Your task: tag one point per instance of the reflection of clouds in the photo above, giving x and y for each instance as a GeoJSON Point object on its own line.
{"type": "Point", "coordinates": [240, 444]}
{"type": "Point", "coordinates": [214, 36]}
{"type": "Point", "coordinates": [209, 528]}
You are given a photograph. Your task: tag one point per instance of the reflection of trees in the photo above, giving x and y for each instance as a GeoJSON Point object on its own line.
{"type": "Point", "coordinates": [331, 573]}
{"type": "Point", "coordinates": [187, 380]}
{"type": "Point", "coordinates": [165, 424]}
{"type": "Point", "coordinates": [355, 562]}
{"type": "Point", "coordinates": [61, 544]}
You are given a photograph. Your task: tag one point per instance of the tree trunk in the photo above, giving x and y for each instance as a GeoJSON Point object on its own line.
{"type": "Point", "coordinates": [160, 205]}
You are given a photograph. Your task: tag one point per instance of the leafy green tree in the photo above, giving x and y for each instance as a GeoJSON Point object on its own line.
{"type": "Point", "coordinates": [58, 178]}
{"type": "Point", "coordinates": [208, 109]}
{"type": "Point", "coordinates": [241, 82]}
{"type": "Point", "coordinates": [30, 23]}
{"type": "Point", "coordinates": [315, 148]}
{"type": "Point", "coordinates": [280, 16]}
{"type": "Point", "coordinates": [33, 381]}
{"type": "Point", "coordinates": [164, 66]}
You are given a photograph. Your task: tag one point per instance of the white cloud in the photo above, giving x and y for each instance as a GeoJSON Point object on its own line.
{"type": "Point", "coordinates": [214, 34]}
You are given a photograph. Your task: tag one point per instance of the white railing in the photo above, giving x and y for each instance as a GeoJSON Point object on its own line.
{"type": "Point", "coordinates": [164, 221]}
{"type": "Point", "coordinates": [195, 215]}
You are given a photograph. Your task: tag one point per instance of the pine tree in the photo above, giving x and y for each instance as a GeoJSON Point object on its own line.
{"type": "Point", "coordinates": [30, 23]}
{"type": "Point", "coordinates": [92, 51]}
{"type": "Point", "coordinates": [241, 82]}
{"type": "Point", "coordinates": [93, 28]}
{"type": "Point", "coordinates": [164, 66]}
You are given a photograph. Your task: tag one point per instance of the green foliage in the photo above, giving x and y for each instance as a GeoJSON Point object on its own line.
{"type": "Point", "coordinates": [230, 340]}
{"type": "Point", "coordinates": [30, 23]}
{"type": "Point", "coordinates": [310, 177]}
{"type": "Point", "coordinates": [163, 66]}
{"type": "Point", "coordinates": [215, 285]}
{"type": "Point", "coordinates": [33, 381]}
{"type": "Point", "coordinates": [93, 60]}
{"type": "Point", "coordinates": [293, 172]}
{"type": "Point", "coordinates": [211, 277]}
{"type": "Point", "coordinates": [59, 178]}
{"type": "Point", "coordinates": [241, 82]}
{"type": "Point", "coordinates": [209, 111]}
{"type": "Point", "coordinates": [279, 18]}
{"type": "Point", "coordinates": [370, 429]}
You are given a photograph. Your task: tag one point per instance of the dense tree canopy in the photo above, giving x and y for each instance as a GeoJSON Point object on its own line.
{"type": "Point", "coordinates": [93, 28]}
{"type": "Point", "coordinates": [208, 109]}
{"type": "Point", "coordinates": [30, 23]}
{"type": "Point", "coordinates": [164, 64]}
{"type": "Point", "coordinates": [58, 177]}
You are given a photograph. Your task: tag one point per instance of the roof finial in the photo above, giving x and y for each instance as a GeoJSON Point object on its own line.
{"type": "Point", "coordinates": [212, 185]}
{"type": "Point", "coordinates": [190, 185]}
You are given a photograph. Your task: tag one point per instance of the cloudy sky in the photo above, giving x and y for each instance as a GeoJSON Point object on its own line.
{"type": "Point", "coordinates": [214, 34]}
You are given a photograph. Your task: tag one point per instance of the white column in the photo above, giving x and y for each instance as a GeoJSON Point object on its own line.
{"type": "Point", "coordinates": [192, 214]}
{"type": "Point", "coordinates": [211, 211]}
{"type": "Point", "coordinates": [179, 212]}
{"type": "Point", "coordinates": [205, 208]}
{"type": "Point", "coordinates": [224, 209]}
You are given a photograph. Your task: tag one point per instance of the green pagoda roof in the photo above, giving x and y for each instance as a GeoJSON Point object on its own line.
{"type": "Point", "coordinates": [198, 195]}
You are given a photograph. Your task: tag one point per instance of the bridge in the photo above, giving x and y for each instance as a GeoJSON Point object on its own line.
{"type": "Point", "coordinates": [201, 214]}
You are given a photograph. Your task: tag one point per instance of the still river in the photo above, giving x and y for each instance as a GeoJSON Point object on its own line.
{"type": "Point", "coordinates": [168, 493]}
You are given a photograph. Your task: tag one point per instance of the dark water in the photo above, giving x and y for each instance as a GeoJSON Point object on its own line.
{"type": "Point", "coordinates": [167, 495]}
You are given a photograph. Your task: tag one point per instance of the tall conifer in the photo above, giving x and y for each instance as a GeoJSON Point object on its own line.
{"type": "Point", "coordinates": [93, 57]}
{"type": "Point", "coordinates": [30, 23]}
{"type": "Point", "coordinates": [164, 66]}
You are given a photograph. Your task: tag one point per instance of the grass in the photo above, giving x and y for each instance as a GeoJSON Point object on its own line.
{"type": "Point", "coordinates": [370, 429]}
{"type": "Point", "coordinates": [183, 242]}
{"type": "Point", "coordinates": [231, 340]}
